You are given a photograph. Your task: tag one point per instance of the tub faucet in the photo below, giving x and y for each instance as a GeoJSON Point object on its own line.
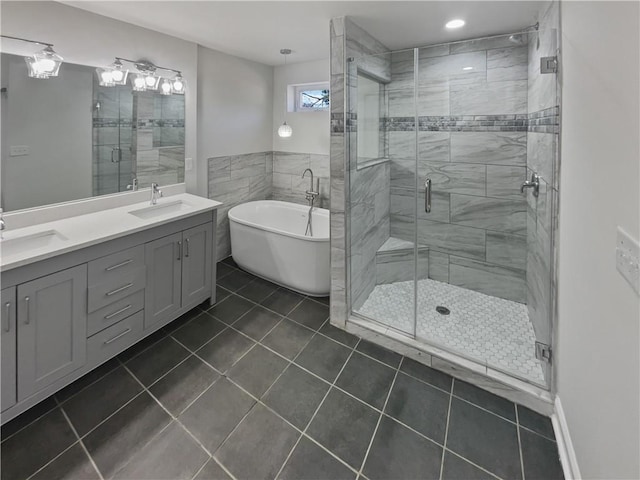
{"type": "Point", "coordinates": [155, 193]}
{"type": "Point", "coordinates": [311, 194]}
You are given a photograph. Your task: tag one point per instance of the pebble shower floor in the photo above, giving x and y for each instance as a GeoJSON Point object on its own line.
{"type": "Point", "coordinates": [492, 330]}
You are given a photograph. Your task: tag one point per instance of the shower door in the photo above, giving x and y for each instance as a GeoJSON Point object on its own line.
{"type": "Point", "coordinates": [382, 189]}
{"type": "Point", "coordinates": [464, 259]}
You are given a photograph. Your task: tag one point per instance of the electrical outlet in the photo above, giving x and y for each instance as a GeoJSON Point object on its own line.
{"type": "Point", "coordinates": [18, 150]}
{"type": "Point", "coordinates": [188, 164]}
{"type": "Point", "coordinates": [628, 259]}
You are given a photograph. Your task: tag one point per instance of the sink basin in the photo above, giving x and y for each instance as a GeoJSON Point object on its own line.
{"type": "Point", "coordinates": [160, 209]}
{"type": "Point", "coordinates": [19, 244]}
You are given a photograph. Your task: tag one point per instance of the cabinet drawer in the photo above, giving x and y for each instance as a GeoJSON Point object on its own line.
{"type": "Point", "coordinates": [114, 312]}
{"type": "Point", "coordinates": [112, 266]}
{"type": "Point", "coordinates": [115, 339]}
{"type": "Point", "coordinates": [125, 284]}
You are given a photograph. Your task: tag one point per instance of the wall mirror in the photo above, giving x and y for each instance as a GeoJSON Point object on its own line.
{"type": "Point", "coordinates": [68, 138]}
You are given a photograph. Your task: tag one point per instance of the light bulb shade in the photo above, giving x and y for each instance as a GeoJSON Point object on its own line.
{"type": "Point", "coordinates": [119, 73]}
{"type": "Point", "coordinates": [165, 87]}
{"type": "Point", "coordinates": [44, 64]}
{"type": "Point", "coordinates": [285, 130]}
{"type": "Point", "coordinates": [105, 77]}
{"type": "Point", "coordinates": [151, 81]}
{"type": "Point", "coordinates": [178, 86]}
{"type": "Point", "coordinates": [138, 83]}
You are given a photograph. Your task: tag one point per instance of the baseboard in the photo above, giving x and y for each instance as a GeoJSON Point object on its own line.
{"type": "Point", "coordinates": [565, 445]}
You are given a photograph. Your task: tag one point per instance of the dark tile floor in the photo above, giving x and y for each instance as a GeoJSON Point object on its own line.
{"type": "Point", "coordinates": [261, 386]}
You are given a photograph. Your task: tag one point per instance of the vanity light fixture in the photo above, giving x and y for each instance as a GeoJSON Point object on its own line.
{"type": "Point", "coordinates": [285, 131]}
{"type": "Point", "coordinates": [43, 64]}
{"type": "Point", "coordinates": [457, 23]}
{"type": "Point", "coordinates": [178, 84]}
{"type": "Point", "coordinates": [138, 84]}
{"type": "Point", "coordinates": [119, 73]}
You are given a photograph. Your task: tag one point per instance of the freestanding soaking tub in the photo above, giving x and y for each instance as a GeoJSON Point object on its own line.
{"type": "Point", "coordinates": [268, 239]}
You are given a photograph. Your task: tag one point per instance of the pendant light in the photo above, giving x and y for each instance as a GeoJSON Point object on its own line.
{"type": "Point", "coordinates": [285, 130]}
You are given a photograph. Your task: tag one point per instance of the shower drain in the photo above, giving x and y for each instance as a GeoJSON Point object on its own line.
{"type": "Point", "coordinates": [443, 310]}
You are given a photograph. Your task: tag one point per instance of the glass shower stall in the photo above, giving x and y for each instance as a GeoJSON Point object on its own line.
{"type": "Point", "coordinates": [453, 192]}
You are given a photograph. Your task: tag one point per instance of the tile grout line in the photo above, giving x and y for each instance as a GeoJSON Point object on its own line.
{"type": "Point", "coordinates": [375, 430]}
{"type": "Point", "coordinates": [84, 448]}
{"type": "Point", "coordinates": [304, 432]}
{"type": "Point", "coordinates": [446, 430]}
{"type": "Point", "coordinates": [520, 444]}
{"type": "Point", "coordinates": [171, 417]}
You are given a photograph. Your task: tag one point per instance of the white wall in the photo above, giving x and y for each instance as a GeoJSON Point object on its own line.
{"type": "Point", "coordinates": [599, 314]}
{"type": "Point", "coordinates": [43, 115]}
{"type": "Point", "coordinates": [89, 39]}
{"type": "Point", "coordinates": [310, 129]}
{"type": "Point", "coordinates": [234, 105]}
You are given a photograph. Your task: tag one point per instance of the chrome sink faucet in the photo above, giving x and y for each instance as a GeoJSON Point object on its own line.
{"type": "Point", "coordinates": [155, 193]}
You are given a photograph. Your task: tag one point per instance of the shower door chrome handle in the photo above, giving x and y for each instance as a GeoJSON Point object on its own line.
{"type": "Point", "coordinates": [427, 195]}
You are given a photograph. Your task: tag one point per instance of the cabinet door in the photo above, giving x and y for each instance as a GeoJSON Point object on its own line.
{"type": "Point", "coordinates": [52, 328]}
{"type": "Point", "coordinates": [196, 264]}
{"type": "Point", "coordinates": [163, 258]}
{"type": "Point", "coordinates": [8, 347]}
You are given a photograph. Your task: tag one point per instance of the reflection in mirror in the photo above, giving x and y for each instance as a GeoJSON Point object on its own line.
{"type": "Point", "coordinates": [370, 114]}
{"type": "Point", "coordinates": [67, 138]}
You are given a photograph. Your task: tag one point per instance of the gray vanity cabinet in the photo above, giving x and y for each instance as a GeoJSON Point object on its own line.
{"type": "Point", "coordinates": [163, 258]}
{"type": "Point", "coordinates": [196, 263]}
{"type": "Point", "coordinates": [8, 347]}
{"type": "Point", "coordinates": [178, 272]}
{"type": "Point", "coordinates": [52, 328]}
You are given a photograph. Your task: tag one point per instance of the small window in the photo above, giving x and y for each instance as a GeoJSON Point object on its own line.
{"type": "Point", "coordinates": [310, 97]}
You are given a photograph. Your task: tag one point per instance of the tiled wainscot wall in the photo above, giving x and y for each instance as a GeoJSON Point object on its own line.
{"type": "Point", "coordinates": [236, 179]}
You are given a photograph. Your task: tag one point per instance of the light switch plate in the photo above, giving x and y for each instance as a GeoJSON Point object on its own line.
{"type": "Point", "coordinates": [188, 164]}
{"type": "Point", "coordinates": [18, 150]}
{"type": "Point", "coordinates": [628, 259]}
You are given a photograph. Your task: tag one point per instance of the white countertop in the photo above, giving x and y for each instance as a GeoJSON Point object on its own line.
{"type": "Point", "coordinates": [90, 229]}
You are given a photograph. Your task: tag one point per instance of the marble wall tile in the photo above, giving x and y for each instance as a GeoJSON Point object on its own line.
{"type": "Point", "coordinates": [507, 64]}
{"type": "Point", "coordinates": [481, 44]}
{"type": "Point", "coordinates": [291, 163]}
{"type": "Point", "coordinates": [402, 70]}
{"type": "Point", "coordinates": [402, 145]}
{"type": "Point", "coordinates": [496, 148]}
{"type": "Point", "coordinates": [505, 181]}
{"type": "Point", "coordinates": [319, 164]}
{"type": "Point", "coordinates": [509, 216]}
{"type": "Point", "coordinates": [440, 69]}
{"type": "Point", "coordinates": [403, 173]}
{"type": "Point", "coordinates": [405, 203]}
{"type": "Point", "coordinates": [219, 170]}
{"type": "Point", "coordinates": [399, 265]}
{"type": "Point", "coordinates": [337, 102]}
{"type": "Point", "coordinates": [402, 102]}
{"type": "Point", "coordinates": [434, 99]}
{"type": "Point", "coordinates": [448, 238]}
{"type": "Point", "coordinates": [489, 98]}
{"type": "Point", "coordinates": [487, 278]}
{"type": "Point", "coordinates": [507, 250]}
{"type": "Point", "coordinates": [435, 51]}
{"type": "Point", "coordinates": [454, 177]}
{"type": "Point", "coordinates": [249, 165]}
{"type": "Point", "coordinates": [438, 266]}
{"type": "Point", "coordinates": [541, 152]}
{"type": "Point", "coordinates": [373, 57]}
{"type": "Point", "coordinates": [434, 146]}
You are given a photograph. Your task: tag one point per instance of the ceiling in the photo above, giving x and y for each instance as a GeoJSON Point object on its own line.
{"type": "Point", "coordinates": [257, 30]}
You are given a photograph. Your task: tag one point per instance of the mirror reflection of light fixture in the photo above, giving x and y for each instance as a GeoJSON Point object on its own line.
{"type": "Point", "coordinates": [145, 78]}
{"type": "Point", "coordinates": [119, 73]}
{"type": "Point", "coordinates": [178, 84]}
{"type": "Point", "coordinates": [138, 84]}
{"type": "Point", "coordinates": [43, 64]}
{"type": "Point", "coordinates": [285, 131]}
{"type": "Point", "coordinates": [105, 77]}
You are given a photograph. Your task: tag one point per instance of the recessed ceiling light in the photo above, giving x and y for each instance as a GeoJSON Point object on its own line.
{"type": "Point", "coordinates": [457, 23]}
{"type": "Point", "coordinates": [467, 68]}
